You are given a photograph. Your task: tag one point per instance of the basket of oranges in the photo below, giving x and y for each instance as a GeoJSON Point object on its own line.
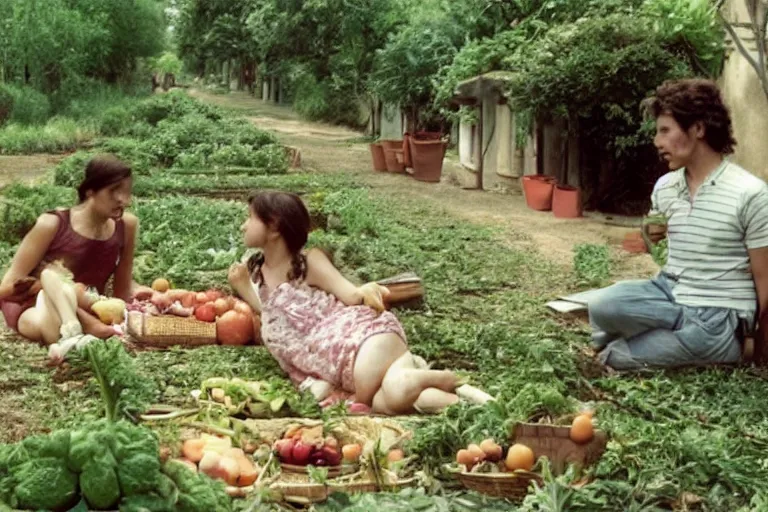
{"type": "Point", "coordinates": [488, 469]}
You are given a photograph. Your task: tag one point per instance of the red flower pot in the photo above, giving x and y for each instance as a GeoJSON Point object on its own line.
{"type": "Point", "coordinates": [427, 157]}
{"type": "Point", "coordinates": [377, 155]}
{"type": "Point", "coordinates": [407, 150]}
{"type": "Point", "coordinates": [427, 135]}
{"type": "Point", "coordinates": [394, 160]}
{"type": "Point", "coordinates": [538, 190]}
{"type": "Point", "coordinates": [566, 202]}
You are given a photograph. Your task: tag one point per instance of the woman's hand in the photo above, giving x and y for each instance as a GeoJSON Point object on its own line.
{"type": "Point", "coordinates": [141, 292]}
{"type": "Point", "coordinates": [238, 274]}
{"type": "Point", "coordinates": [373, 295]}
{"type": "Point", "coordinates": [23, 289]}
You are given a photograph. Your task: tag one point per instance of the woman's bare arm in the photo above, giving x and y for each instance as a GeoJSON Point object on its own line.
{"type": "Point", "coordinates": [30, 252]}
{"type": "Point", "coordinates": [124, 285]}
{"type": "Point", "coordinates": [322, 274]}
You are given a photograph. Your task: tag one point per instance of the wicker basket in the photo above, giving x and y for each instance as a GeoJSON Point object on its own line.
{"type": "Point", "coordinates": [310, 492]}
{"type": "Point", "coordinates": [166, 330]}
{"type": "Point", "coordinates": [554, 442]}
{"type": "Point", "coordinates": [512, 486]}
{"type": "Point", "coordinates": [333, 471]}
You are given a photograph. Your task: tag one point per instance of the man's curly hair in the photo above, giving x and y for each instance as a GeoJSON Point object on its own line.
{"type": "Point", "coordinates": [691, 101]}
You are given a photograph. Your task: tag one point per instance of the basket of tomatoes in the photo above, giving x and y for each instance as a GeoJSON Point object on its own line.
{"type": "Point", "coordinates": [182, 317]}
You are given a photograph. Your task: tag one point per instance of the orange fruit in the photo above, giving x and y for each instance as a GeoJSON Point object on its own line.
{"type": "Point", "coordinates": [520, 456]}
{"type": "Point", "coordinates": [161, 285]}
{"type": "Point", "coordinates": [476, 452]}
{"type": "Point", "coordinates": [465, 458]}
{"type": "Point", "coordinates": [581, 429]}
{"type": "Point", "coordinates": [493, 451]}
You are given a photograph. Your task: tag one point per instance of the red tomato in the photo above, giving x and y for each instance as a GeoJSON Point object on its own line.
{"type": "Point", "coordinates": [206, 312]}
{"type": "Point", "coordinates": [233, 328]}
{"type": "Point", "coordinates": [243, 307]}
{"type": "Point", "coordinates": [222, 305]}
{"type": "Point", "coordinates": [188, 300]}
{"type": "Point", "coordinates": [213, 295]}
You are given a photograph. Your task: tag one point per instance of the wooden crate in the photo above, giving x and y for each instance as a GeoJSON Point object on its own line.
{"type": "Point", "coordinates": [554, 442]}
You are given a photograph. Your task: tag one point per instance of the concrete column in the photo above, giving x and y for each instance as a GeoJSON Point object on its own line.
{"type": "Point", "coordinates": [465, 145]}
{"type": "Point", "coordinates": [504, 139]}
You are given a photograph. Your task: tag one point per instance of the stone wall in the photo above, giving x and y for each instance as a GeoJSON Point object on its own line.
{"type": "Point", "coordinates": [745, 98]}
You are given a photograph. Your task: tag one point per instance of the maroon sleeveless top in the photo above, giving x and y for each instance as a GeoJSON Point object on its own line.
{"type": "Point", "coordinates": [92, 262]}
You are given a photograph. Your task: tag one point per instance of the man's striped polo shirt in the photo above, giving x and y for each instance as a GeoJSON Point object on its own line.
{"type": "Point", "coordinates": [710, 234]}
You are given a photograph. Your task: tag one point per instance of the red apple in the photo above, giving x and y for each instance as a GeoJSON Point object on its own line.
{"type": "Point", "coordinates": [301, 453]}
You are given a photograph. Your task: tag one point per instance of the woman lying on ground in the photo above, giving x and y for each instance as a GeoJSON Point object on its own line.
{"type": "Point", "coordinates": [329, 335]}
{"type": "Point", "coordinates": [88, 244]}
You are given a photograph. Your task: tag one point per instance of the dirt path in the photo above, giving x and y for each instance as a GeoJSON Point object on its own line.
{"type": "Point", "coordinates": [331, 149]}
{"type": "Point", "coordinates": [25, 168]}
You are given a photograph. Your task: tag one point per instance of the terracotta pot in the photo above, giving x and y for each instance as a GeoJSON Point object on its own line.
{"type": "Point", "coordinates": [538, 191]}
{"type": "Point", "coordinates": [407, 149]}
{"type": "Point", "coordinates": [392, 144]}
{"type": "Point", "coordinates": [394, 160]}
{"type": "Point", "coordinates": [377, 155]}
{"type": "Point", "coordinates": [427, 157]}
{"type": "Point", "coordinates": [427, 135]}
{"type": "Point", "coordinates": [634, 243]}
{"type": "Point", "coordinates": [566, 202]}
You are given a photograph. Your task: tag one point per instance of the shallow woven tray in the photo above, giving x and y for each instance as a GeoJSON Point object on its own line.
{"type": "Point", "coordinates": [513, 486]}
{"type": "Point", "coordinates": [167, 330]}
{"type": "Point", "coordinates": [333, 471]}
{"type": "Point", "coordinates": [310, 492]}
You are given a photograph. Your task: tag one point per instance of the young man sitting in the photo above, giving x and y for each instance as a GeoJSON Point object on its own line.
{"type": "Point", "coordinates": [716, 274]}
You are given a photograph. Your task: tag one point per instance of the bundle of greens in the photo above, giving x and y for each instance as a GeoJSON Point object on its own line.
{"type": "Point", "coordinates": [257, 399]}
{"type": "Point", "coordinates": [124, 391]}
{"type": "Point", "coordinates": [660, 249]}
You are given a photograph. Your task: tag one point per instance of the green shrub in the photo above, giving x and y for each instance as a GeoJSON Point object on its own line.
{"type": "Point", "coordinates": [271, 159]}
{"type": "Point", "coordinates": [59, 134]}
{"type": "Point", "coordinates": [21, 205]}
{"type": "Point", "coordinates": [115, 121]}
{"type": "Point", "coordinates": [131, 151]}
{"type": "Point", "coordinates": [23, 105]}
{"type": "Point", "coordinates": [173, 105]}
{"type": "Point", "coordinates": [70, 171]}
{"type": "Point", "coordinates": [6, 103]}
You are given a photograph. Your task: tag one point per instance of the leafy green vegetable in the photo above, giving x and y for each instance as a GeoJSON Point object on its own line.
{"type": "Point", "coordinates": [45, 483]}
{"type": "Point", "coordinates": [99, 484]}
{"type": "Point", "coordinates": [123, 391]}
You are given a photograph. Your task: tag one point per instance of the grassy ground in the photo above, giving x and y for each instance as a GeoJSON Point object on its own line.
{"type": "Point", "coordinates": [692, 439]}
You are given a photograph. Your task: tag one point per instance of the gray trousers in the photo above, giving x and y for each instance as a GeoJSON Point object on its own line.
{"type": "Point", "coordinates": [638, 324]}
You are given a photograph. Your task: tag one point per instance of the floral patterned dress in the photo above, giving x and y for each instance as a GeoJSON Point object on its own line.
{"type": "Point", "coordinates": [312, 333]}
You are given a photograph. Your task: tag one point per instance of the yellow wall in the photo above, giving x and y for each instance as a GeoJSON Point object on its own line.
{"type": "Point", "coordinates": [747, 101]}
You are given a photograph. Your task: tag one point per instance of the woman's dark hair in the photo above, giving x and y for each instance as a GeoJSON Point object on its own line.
{"type": "Point", "coordinates": [286, 213]}
{"type": "Point", "coordinates": [101, 172]}
{"type": "Point", "coordinates": [692, 101]}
